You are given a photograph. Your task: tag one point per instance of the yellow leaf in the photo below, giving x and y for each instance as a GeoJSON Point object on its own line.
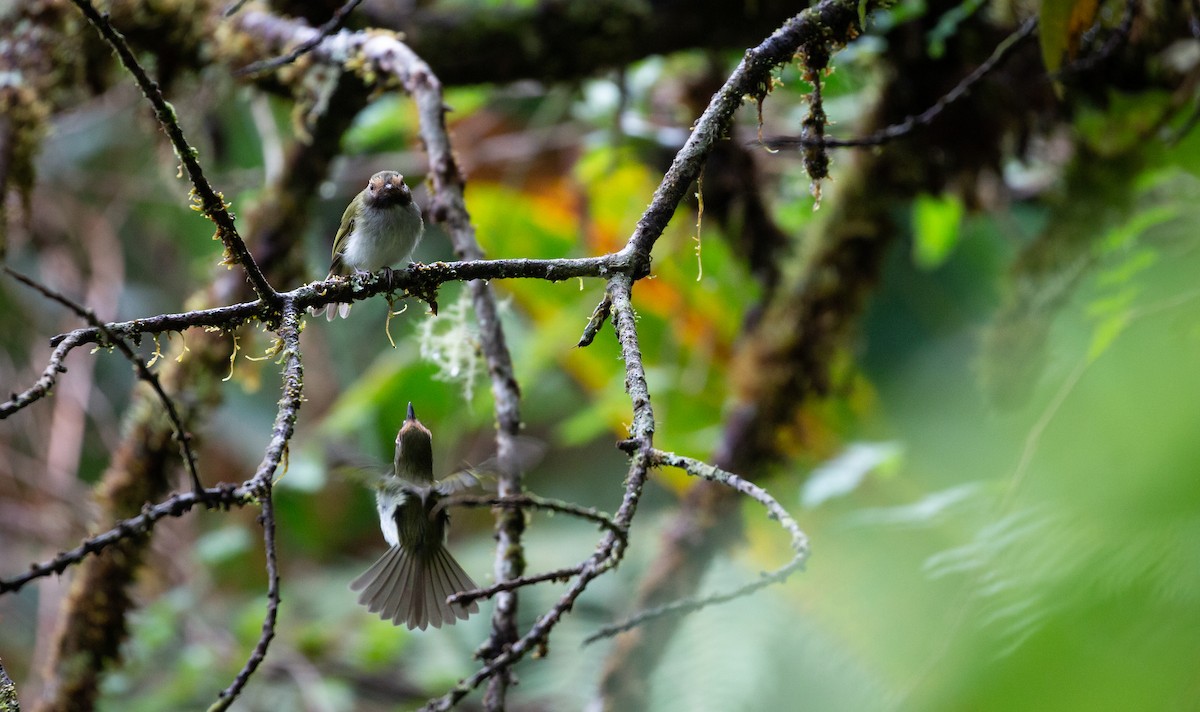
{"type": "Point", "coordinates": [1060, 25]}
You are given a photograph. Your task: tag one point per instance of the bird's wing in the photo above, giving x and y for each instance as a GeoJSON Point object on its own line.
{"type": "Point", "coordinates": [457, 482]}
{"type": "Point", "coordinates": [339, 241]}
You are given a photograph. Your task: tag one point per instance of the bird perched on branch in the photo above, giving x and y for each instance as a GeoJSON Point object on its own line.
{"type": "Point", "coordinates": [410, 583]}
{"type": "Point", "coordinates": [381, 227]}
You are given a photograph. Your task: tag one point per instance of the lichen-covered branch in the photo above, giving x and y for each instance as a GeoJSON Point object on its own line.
{"type": "Point", "coordinates": [143, 371]}
{"type": "Point", "coordinates": [224, 496]}
{"type": "Point", "coordinates": [289, 402]}
{"type": "Point", "coordinates": [384, 60]}
{"type": "Point", "coordinates": [267, 519]}
{"type": "Point", "coordinates": [775, 511]}
{"type": "Point", "coordinates": [211, 203]}
{"type": "Point", "coordinates": [611, 547]}
{"type": "Point", "coordinates": [831, 24]}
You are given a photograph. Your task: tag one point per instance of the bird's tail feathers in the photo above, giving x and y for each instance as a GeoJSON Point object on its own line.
{"type": "Point", "coordinates": [412, 590]}
{"type": "Point", "coordinates": [331, 311]}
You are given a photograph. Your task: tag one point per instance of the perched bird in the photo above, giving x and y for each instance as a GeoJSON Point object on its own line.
{"type": "Point", "coordinates": [410, 583]}
{"type": "Point", "coordinates": [381, 226]}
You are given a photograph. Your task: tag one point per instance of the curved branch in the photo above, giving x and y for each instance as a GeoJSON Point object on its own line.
{"type": "Point", "coordinates": [139, 365]}
{"type": "Point", "coordinates": [799, 544]}
{"type": "Point", "coordinates": [220, 496]}
{"type": "Point", "coordinates": [334, 24]}
{"type": "Point", "coordinates": [267, 518]}
{"type": "Point", "coordinates": [211, 203]}
{"type": "Point", "coordinates": [913, 121]}
{"type": "Point", "coordinates": [386, 59]}
{"type": "Point", "coordinates": [450, 210]}
{"type": "Point", "coordinates": [521, 502]}
{"type": "Point", "coordinates": [830, 24]}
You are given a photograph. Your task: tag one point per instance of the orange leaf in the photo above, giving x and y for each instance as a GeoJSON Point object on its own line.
{"type": "Point", "coordinates": [1060, 25]}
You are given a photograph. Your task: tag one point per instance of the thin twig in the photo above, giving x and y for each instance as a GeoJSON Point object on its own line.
{"type": "Point", "coordinates": [912, 122]}
{"type": "Point", "coordinates": [332, 25]}
{"type": "Point", "coordinates": [42, 386]}
{"type": "Point", "coordinates": [599, 316]}
{"type": "Point", "coordinates": [226, 495]}
{"type": "Point", "coordinates": [531, 501]}
{"type": "Point", "coordinates": [139, 365]}
{"type": "Point", "coordinates": [211, 203]}
{"type": "Point", "coordinates": [559, 575]}
{"type": "Point", "coordinates": [520, 502]}
{"type": "Point", "coordinates": [267, 518]}
{"type": "Point", "coordinates": [799, 544]}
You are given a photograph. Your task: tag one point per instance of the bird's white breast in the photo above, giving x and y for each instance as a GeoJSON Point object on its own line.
{"type": "Point", "coordinates": [382, 238]}
{"type": "Point", "coordinates": [385, 504]}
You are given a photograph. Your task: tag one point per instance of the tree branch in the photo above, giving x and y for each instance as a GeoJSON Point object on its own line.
{"type": "Point", "coordinates": [211, 203]}
{"type": "Point", "coordinates": [913, 121]}
{"type": "Point", "coordinates": [143, 371]}
{"type": "Point", "coordinates": [519, 503]}
{"type": "Point", "coordinates": [775, 511]}
{"type": "Point", "coordinates": [334, 24]}
{"type": "Point", "coordinates": [386, 62]}
{"type": "Point", "coordinates": [267, 519]}
{"type": "Point", "coordinates": [226, 495]}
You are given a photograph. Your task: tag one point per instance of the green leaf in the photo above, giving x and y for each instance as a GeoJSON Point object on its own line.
{"type": "Point", "coordinates": [386, 124]}
{"type": "Point", "coordinates": [937, 223]}
{"type": "Point", "coordinates": [221, 545]}
{"type": "Point", "coordinates": [1106, 332]}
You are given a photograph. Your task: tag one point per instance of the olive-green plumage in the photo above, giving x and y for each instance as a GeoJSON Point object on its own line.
{"type": "Point", "coordinates": [380, 227]}
{"type": "Point", "coordinates": [410, 583]}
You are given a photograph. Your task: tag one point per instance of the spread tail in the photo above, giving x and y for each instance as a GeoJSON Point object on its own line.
{"type": "Point", "coordinates": [412, 589]}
